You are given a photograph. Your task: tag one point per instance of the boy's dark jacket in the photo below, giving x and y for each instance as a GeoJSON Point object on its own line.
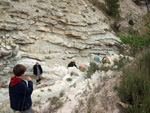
{"type": "Point", "coordinates": [20, 94]}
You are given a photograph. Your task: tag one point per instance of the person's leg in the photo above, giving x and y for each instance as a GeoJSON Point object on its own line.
{"type": "Point", "coordinates": [39, 78]}
{"type": "Point", "coordinates": [28, 111]}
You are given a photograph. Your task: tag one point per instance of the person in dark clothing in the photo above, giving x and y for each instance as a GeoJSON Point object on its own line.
{"type": "Point", "coordinates": [72, 64]}
{"type": "Point", "coordinates": [19, 91]}
{"type": "Point", "coordinates": [37, 71]}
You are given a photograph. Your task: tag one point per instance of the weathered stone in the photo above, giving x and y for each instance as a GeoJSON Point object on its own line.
{"type": "Point", "coordinates": [15, 0]}
{"type": "Point", "coordinates": [24, 41]}
{"type": "Point", "coordinates": [32, 57]}
{"type": "Point", "coordinates": [4, 3]}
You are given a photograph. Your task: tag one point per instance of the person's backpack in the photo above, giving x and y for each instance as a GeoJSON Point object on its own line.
{"type": "Point", "coordinates": [96, 58]}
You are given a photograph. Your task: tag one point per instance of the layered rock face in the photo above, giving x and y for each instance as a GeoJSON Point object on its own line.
{"type": "Point", "coordinates": [52, 29]}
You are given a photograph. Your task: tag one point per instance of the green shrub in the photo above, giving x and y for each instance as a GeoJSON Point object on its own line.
{"type": "Point", "coordinates": [135, 40]}
{"type": "Point", "coordinates": [69, 79]}
{"type": "Point", "coordinates": [121, 62]}
{"type": "Point", "coordinates": [57, 102]}
{"type": "Point", "coordinates": [134, 87]}
{"type": "Point", "coordinates": [93, 9]}
{"type": "Point", "coordinates": [61, 94]}
{"type": "Point", "coordinates": [91, 69]}
{"type": "Point", "coordinates": [104, 68]}
{"type": "Point", "coordinates": [112, 7]}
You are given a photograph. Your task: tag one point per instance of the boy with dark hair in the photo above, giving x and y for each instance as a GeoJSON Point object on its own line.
{"type": "Point", "coordinates": [19, 91]}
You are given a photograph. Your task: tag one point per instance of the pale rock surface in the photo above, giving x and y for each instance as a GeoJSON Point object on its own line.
{"type": "Point", "coordinates": [57, 80]}
{"type": "Point", "coordinates": [55, 32]}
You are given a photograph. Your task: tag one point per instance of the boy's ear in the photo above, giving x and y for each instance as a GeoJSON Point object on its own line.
{"type": "Point", "coordinates": [23, 74]}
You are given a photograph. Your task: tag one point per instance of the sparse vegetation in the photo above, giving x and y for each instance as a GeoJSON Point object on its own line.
{"type": "Point", "coordinates": [42, 90]}
{"type": "Point", "coordinates": [90, 102]}
{"type": "Point", "coordinates": [49, 90]}
{"type": "Point", "coordinates": [136, 41]}
{"type": "Point", "coordinates": [92, 69]}
{"type": "Point", "coordinates": [104, 68]}
{"type": "Point", "coordinates": [147, 19]}
{"type": "Point", "coordinates": [134, 88]}
{"type": "Point", "coordinates": [99, 5]}
{"type": "Point", "coordinates": [97, 89]}
{"type": "Point", "coordinates": [112, 8]}
{"type": "Point", "coordinates": [88, 84]}
{"type": "Point", "coordinates": [61, 94]}
{"type": "Point", "coordinates": [69, 79]}
{"type": "Point", "coordinates": [119, 64]}
{"type": "Point", "coordinates": [39, 0]}
{"type": "Point", "coordinates": [57, 102]}
{"type": "Point", "coordinates": [116, 27]}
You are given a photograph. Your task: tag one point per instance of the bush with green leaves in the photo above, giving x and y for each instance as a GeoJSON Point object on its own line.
{"type": "Point", "coordinates": [121, 63]}
{"type": "Point", "coordinates": [91, 69]}
{"type": "Point", "coordinates": [104, 67]}
{"type": "Point", "coordinates": [134, 87]}
{"type": "Point", "coordinates": [112, 7]}
{"type": "Point", "coordinates": [135, 40]}
{"type": "Point", "coordinates": [57, 102]}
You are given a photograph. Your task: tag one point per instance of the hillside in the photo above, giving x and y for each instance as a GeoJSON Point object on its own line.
{"type": "Point", "coordinates": [55, 32]}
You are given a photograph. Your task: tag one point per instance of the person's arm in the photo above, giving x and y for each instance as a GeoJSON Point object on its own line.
{"type": "Point", "coordinates": [41, 69]}
{"type": "Point", "coordinates": [29, 89]}
{"type": "Point", "coordinates": [69, 65]}
{"type": "Point", "coordinates": [34, 70]}
{"type": "Point", "coordinates": [26, 89]}
{"type": "Point", "coordinates": [75, 66]}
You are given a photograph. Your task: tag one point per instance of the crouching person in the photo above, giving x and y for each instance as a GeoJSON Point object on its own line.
{"type": "Point", "coordinates": [19, 91]}
{"type": "Point", "coordinates": [73, 69]}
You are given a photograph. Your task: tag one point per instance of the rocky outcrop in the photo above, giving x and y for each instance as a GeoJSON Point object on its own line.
{"type": "Point", "coordinates": [46, 30]}
{"type": "Point", "coordinates": [52, 32]}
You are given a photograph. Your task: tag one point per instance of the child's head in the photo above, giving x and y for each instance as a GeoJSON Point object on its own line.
{"type": "Point", "coordinates": [19, 70]}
